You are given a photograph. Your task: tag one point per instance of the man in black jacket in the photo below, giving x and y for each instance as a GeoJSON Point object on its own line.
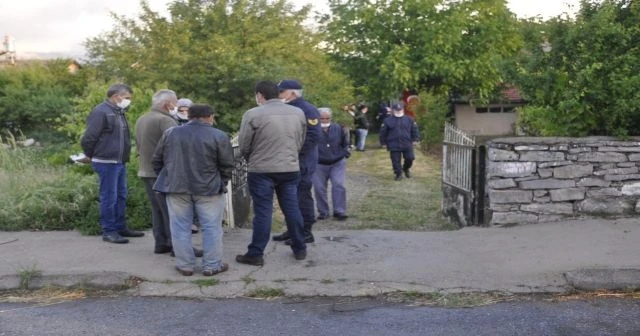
{"type": "Point", "coordinates": [194, 162]}
{"type": "Point", "coordinates": [399, 133]}
{"type": "Point", "coordinates": [106, 143]}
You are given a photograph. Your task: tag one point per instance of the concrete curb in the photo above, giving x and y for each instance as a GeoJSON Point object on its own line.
{"type": "Point", "coordinates": [593, 279]}
{"type": "Point", "coordinates": [101, 280]}
{"type": "Point", "coordinates": [586, 279]}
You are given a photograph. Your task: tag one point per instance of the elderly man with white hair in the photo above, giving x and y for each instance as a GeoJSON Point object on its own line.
{"type": "Point", "coordinates": [149, 129]}
{"type": "Point", "coordinates": [333, 150]}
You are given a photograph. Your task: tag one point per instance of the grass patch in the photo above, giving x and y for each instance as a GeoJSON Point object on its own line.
{"type": "Point", "coordinates": [206, 282]}
{"type": "Point", "coordinates": [448, 300]}
{"type": "Point", "coordinates": [247, 279]}
{"type": "Point", "coordinates": [326, 281]}
{"type": "Point", "coordinates": [410, 204]}
{"type": "Point", "coordinates": [40, 194]}
{"type": "Point", "coordinates": [27, 274]}
{"type": "Point", "coordinates": [266, 292]}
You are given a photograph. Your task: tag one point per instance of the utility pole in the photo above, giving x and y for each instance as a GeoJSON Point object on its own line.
{"type": "Point", "coordinates": [9, 49]}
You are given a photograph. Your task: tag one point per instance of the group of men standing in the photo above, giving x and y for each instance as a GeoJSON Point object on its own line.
{"type": "Point", "coordinates": [290, 146]}
{"type": "Point", "coordinates": [185, 170]}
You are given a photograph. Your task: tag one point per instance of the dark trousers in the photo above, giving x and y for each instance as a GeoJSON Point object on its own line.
{"type": "Point", "coordinates": [305, 197]}
{"type": "Point", "coordinates": [159, 214]}
{"type": "Point", "coordinates": [396, 156]}
{"type": "Point", "coordinates": [261, 187]}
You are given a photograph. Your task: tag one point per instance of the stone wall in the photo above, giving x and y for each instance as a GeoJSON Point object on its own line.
{"type": "Point", "coordinates": [531, 180]}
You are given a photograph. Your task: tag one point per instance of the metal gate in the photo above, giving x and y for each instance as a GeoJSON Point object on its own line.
{"type": "Point", "coordinates": [462, 178]}
{"type": "Point", "coordinates": [238, 205]}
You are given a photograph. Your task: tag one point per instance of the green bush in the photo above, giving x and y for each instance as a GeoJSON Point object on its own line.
{"type": "Point", "coordinates": [35, 195]}
{"type": "Point", "coordinates": [431, 116]}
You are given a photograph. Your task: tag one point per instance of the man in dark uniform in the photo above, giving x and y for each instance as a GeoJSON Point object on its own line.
{"type": "Point", "coordinates": [291, 93]}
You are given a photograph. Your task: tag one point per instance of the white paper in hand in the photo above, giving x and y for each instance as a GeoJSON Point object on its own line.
{"type": "Point", "coordinates": [77, 157]}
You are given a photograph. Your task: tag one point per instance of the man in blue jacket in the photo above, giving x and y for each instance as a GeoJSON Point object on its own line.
{"type": "Point", "coordinates": [291, 93]}
{"type": "Point", "coordinates": [399, 133]}
{"type": "Point", "coordinates": [107, 145]}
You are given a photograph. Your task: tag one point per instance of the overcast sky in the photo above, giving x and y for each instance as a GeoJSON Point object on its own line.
{"type": "Point", "coordinates": [60, 26]}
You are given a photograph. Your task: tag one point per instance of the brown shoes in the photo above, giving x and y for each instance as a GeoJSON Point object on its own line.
{"type": "Point", "coordinates": [183, 271]}
{"type": "Point", "coordinates": [210, 272]}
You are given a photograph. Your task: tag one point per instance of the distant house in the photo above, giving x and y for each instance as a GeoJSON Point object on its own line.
{"type": "Point", "coordinates": [74, 66]}
{"type": "Point", "coordinates": [496, 118]}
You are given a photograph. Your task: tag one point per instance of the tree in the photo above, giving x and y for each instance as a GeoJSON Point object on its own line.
{"type": "Point", "coordinates": [33, 94]}
{"type": "Point", "coordinates": [426, 45]}
{"type": "Point", "coordinates": [588, 81]}
{"type": "Point", "coordinates": [215, 51]}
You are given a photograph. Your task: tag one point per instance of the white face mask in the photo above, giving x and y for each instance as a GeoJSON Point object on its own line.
{"type": "Point", "coordinates": [124, 103]}
{"type": "Point", "coordinates": [325, 125]}
{"type": "Point", "coordinates": [174, 111]}
{"type": "Point", "coordinates": [398, 113]}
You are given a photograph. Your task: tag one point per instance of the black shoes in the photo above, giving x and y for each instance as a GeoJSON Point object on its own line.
{"type": "Point", "coordinates": [250, 260]}
{"type": "Point", "coordinates": [308, 238]}
{"type": "Point", "coordinates": [210, 272]}
{"type": "Point", "coordinates": [398, 177]}
{"type": "Point", "coordinates": [130, 233]}
{"type": "Point", "coordinates": [300, 255]}
{"type": "Point", "coordinates": [282, 237]}
{"type": "Point", "coordinates": [407, 173]}
{"type": "Point", "coordinates": [340, 217]}
{"type": "Point", "coordinates": [323, 217]}
{"type": "Point", "coordinates": [115, 238]}
{"type": "Point", "coordinates": [162, 249]}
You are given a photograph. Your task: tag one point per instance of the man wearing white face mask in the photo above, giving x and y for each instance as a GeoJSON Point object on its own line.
{"type": "Point", "coordinates": [149, 129]}
{"type": "Point", "coordinates": [107, 145]}
{"type": "Point", "coordinates": [333, 150]}
{"type": "Point", "coordinates": [182, 112]}
{"type": "Point", "coordinates": [398, 134]}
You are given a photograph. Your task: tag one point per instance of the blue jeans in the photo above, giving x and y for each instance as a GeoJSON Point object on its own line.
{"type": "Point", "coordinates": [361, 137]}
{"type": "Point", "coordinates": [261, 187]}
{"type": "Point", "coordinates": [336, 174]}
{"type": "Point", "coordinates": [113, 195]}
{"type": "Point", "coordinates": [210, 210]}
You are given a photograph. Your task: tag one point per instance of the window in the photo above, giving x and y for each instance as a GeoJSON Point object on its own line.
{"type": "Point", "coordinates": [481, 110]}
{"type": "Point", "coordinates": [495, 109]}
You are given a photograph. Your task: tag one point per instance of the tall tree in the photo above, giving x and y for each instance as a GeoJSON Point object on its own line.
{"type": "Point", "coordinates": [215, 51]}
{"type": "Point", "coordinates": [582, 75]}
{"type": "Point", "coordinates": [389, 45]}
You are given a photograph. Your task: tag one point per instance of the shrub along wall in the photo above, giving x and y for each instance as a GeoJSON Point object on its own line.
{"type": "Point", "coordinates": [532, 180]}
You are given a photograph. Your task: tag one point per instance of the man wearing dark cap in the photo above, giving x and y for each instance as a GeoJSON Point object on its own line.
{"type": "Point", "coordinates": [291, 93]}
{"type": "Point", "coordinates": [194, 162]}
{"type": "Point", "coordinates": [399, 133]}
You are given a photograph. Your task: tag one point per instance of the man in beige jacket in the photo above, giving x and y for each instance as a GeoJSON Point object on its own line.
{"type": "Point", "coordinates": [270, 139]}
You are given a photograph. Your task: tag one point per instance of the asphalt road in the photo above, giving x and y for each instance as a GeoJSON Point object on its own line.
{"type": "Point", "coordinates": [172, 316]}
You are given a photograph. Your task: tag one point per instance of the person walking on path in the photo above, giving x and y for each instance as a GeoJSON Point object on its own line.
{"type": "Point", "coordinates": [333, 150]}
{"type": "Point", "coordinates": [194, 162]}
{"type": "Point", "coordinates": [399, 133]}
{"type": "Point", "coordinates": [291, 92]}
{"type": "Point", "coordinates": [362, 126]}
{"type": "Point", "coordinates": [270, 139]}
{"type": "Point", "coordinates": [149, 129]}
{"type": "Point", "coordinates": [106, 143]}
